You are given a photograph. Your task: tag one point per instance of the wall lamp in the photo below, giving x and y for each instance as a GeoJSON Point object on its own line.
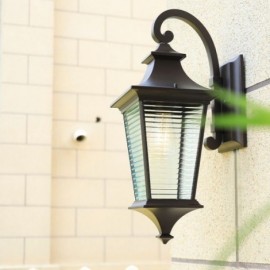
{"type": "Point", "coordinates": [164, 119]}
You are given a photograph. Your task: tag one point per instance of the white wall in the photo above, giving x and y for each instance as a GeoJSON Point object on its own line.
{"type": "Point", "coordinates": [233, 187]}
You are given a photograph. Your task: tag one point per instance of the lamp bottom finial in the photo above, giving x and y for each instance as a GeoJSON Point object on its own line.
{"type": "Point", "coordinates": [165, 238]}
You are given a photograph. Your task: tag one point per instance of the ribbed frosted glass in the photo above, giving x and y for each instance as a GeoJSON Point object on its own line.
{"type": "Point", "coordinates": [134, 142]}
{"type": "Point", "coordinates": [172, 140]}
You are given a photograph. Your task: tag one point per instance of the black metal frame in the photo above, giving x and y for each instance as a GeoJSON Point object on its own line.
{"type": "Point", "coordinates": [166, 81]}
{"type": "Point", "coordinates": [198, 159]}
{"type": "Point", "coordinates": [145, 153]}
{"type": "Point", "coordinates": [200, 30]}
{"type": "Point", "coordinates": [165, 213]}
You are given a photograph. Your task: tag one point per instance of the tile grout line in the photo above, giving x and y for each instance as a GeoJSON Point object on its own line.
{"type": "Point", "coordinates": [106, 41]}
{"type": "Point", "coordinates": [29, 13]}
{"type": "Point", "coordinates": [28, 26]}
{"type": "Point", "coordinates": [26, 128]}
{"type": "Point", "coordinates": [105, 193]}
{"type": "Point", "coordinates": [30, 144]}
{"type": "Point", "coordinates": [258, 85]}
{"type": "Point", "coordinates": [91, 67]}
{"type": "Point", "coordinates": [28, 70]}
{"type": "Point", "coordinates": [77, 104]}
{"type": "Point", "coordinates": [78, 54]}
{"type": "Point", "coordinates": [24, 205]}
{"type": "Point", "coordinates": [25, 190]}
{"type": "Point", "coordinates": [26, 84]}
{"type": "Point", "coordinates": [27, 54]}
{"type": "Point", "coordinates": [77, 160]}
{"type": "Point", "coordinates": [105, 136]}
{"type": "Point", "coordinates": [131, 9]}
{"type": "Point", "coordinates": [24, 250]}
{"type": "Point", "coordinates": [22, 174]}
{"type": "Point", "coordinates": [236, 208]}
{"type": "Point", "coordinates": [76, 222]}
{"type": "Point", "coordinates": [26, 114]}
{"type": "Point", "coordinates": [132, 224]}
{"type": "Point", "coordinates": [113, 16]}
{"type": "Point", "coordinates": [104, 248]}
{"type": "Point", "coordinates": [235, 265]}
{"type": "Point", "coordinates": [105, 29]}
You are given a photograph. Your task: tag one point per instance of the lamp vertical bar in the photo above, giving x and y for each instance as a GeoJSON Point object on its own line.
{"type": "Point", "coordinates": [199, 150]}
{"type": "Point", "coordinates": [145, 152]}
{"type": "Point", "coordinates": [182, 138]}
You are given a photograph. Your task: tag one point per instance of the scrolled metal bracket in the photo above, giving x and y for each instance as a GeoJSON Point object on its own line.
{"type": "Point", "coordinates": [200, 30]}
{"type": "Point", "coordinates": [219, 138]}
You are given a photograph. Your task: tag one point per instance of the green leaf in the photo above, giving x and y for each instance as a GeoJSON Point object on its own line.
{"type": "Point", "coordinates": [250, 113]}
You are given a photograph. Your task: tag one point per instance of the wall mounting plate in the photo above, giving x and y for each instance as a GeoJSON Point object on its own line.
{"type": "Point", "coordinates": [233, 79]}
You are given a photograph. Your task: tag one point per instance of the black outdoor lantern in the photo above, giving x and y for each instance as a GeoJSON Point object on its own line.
{"type": "Point", "coordinates": [164, 119]}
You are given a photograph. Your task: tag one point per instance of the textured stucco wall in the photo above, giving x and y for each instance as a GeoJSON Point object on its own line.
{"type": "Point", "coordinates": [233, 187]}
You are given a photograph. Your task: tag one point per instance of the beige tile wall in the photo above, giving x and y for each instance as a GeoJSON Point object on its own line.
{"type": "Point", "coordinates": [25, 127]}
{"type": "Point", "coordinates": [63, 202]}
{"type": "Point", "coordinates": [97, 48]}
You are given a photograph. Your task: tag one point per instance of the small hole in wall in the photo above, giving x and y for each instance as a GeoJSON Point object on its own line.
{"type": "Point", "coordinates": [79, 135]}
{"type": "Point", "coordinates": [98, 119]}
{"type": "Point", "coordinates": [80, 138]}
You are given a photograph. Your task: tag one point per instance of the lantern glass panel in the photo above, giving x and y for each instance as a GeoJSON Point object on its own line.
{"type": "Point", "coordinates": [173, 133]}
{"type": "Point", "coordinates": [132, 122]}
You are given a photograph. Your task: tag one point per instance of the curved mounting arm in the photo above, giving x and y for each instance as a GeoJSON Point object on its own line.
{"type": "Point", "coordinates": [210, 142]}
{"type": "Point", "coordinates": [197, 26]}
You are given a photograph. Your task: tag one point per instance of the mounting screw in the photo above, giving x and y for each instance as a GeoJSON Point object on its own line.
{"type": "Point", "coordinates": [79, 135]}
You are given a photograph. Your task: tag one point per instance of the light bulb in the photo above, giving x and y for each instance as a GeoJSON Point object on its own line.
{"type": "Point", "coordinates": [163, 139]}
